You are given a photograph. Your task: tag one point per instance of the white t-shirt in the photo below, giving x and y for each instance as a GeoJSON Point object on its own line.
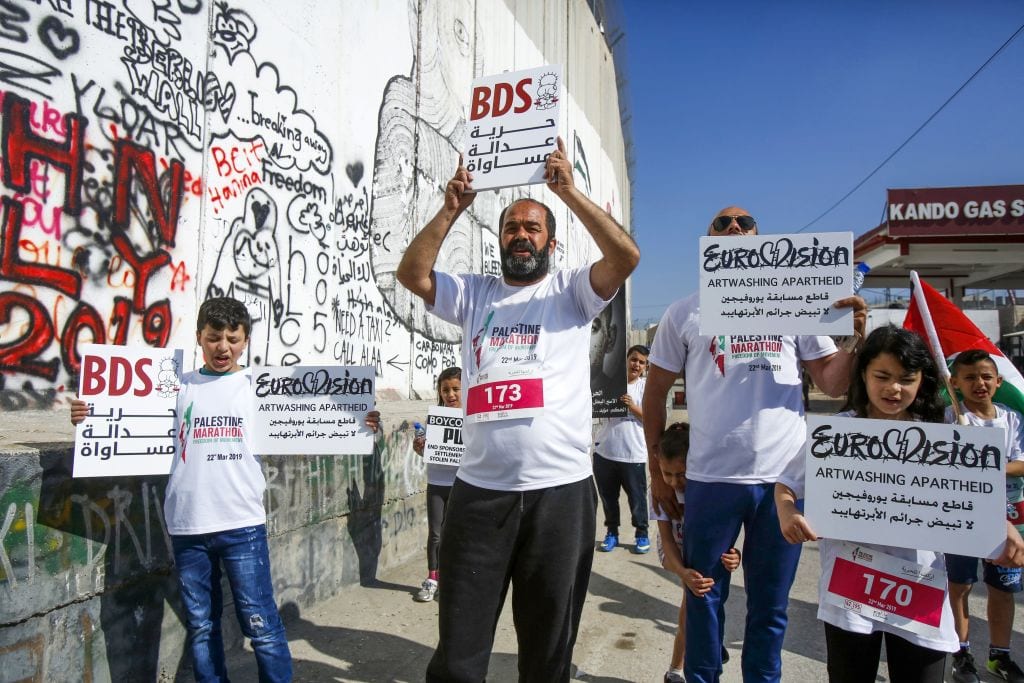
{"type": "Point", "coordinates": [441, 475]}
{"type": "Point", "coordinates": [1008, 420]}
{"type": "Point", "coordinates": [829, 549]}
{"type": "Point", "coordinates": [657, 515]}
{"type": "Point", "coordinates": [947, 641]}
{"type": "Point", "coordinates": [744, 393]}
{"type": "Point", "coordinates": [216, 482]}
{"type": "Point", "coordinates": [622, 438]}
{"type": "Point", "coordinates": [545, 325]}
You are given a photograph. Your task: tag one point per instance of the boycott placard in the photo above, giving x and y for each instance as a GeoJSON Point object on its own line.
{"type": "Point", "coordinates": [313, 410]}
{"type": "Point", "coordinates": [443, 445]}
{"type": "Point", "coordinates": [512, 126]}
{"type": "Point", "coordinates": [131, 393]}
{"type": "Point", "coordinates": [917, 485]}
{"type": "Point", "coordinates": [776, 284]}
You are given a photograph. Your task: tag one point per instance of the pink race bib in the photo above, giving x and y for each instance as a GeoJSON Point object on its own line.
{"type": "Point", "coordinates": [505, 395]}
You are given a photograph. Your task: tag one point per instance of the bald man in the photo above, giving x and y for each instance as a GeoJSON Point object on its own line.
{"type": "Point", "coordinates": [746, 423]}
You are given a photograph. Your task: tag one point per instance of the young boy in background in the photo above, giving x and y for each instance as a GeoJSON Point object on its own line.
{"type": "Point", "coordinates": [674, 445]}
{"type": "Point", "coordinates": [975, 375]}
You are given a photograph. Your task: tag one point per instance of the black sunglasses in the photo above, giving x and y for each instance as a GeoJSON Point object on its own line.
{"type": "Point", "coordinates": [722, 223]}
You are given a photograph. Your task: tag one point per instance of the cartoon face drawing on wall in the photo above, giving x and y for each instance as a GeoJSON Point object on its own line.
{"type": "Point", "coordinates": [233, 30]}
{"type": "Point", "coordinates": [255, 250]}
{"type": "Point", "coordinates": [547, 92]}
{"type": "Point", "coordinates": [248, 268]}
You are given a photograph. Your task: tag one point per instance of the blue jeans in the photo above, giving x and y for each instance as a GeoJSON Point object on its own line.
{"type": "Point", "coordinates": [246, 561]}
{"type": "Point", "coordinates": [712, 519]}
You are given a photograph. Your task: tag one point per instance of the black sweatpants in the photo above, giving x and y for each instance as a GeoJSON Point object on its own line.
{"type": "Point", "coordinates": [542, 542]}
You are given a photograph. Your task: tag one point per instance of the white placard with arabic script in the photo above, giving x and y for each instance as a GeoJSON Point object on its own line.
{"type": "Point", "coordinates": [512, 126]}
{"type": "Point", "coordinates": [131, 393]}
{"type": "Point", "coordinates": [776, 284]}
{"type": "Point", "coordinates": [313, 410]}
{"type": "Point", "coordinates": [907, 484]}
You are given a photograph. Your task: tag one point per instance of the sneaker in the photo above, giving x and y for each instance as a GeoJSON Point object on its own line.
{"type": "Point", "coordinates": [643, 544]}
{"type": "Point", "coordinates": [725, 655]}
{"type": "Point", "coordinates": [427, 592]}
{"type": "Point", "coordinates": [1006, 669]}
{"type": "Point", "coordinates": [674, 678]}
{"type": "Point", "coordinates": [608, 544]}
{"type": "Point", "coordinates": [964, 670]}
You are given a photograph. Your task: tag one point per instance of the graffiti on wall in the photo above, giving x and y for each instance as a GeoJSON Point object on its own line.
{"type": "Point", "coordinates": [96, 177]}
{"type": "Point", "coordinates": [154, 153]}
{"type": "Point", "coordinates": [145, 169]}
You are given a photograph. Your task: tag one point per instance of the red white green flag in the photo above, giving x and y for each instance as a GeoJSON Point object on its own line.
{"type": "Point", "coordinates": [955, 333]}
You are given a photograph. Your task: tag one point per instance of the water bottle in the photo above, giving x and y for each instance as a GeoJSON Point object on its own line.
{"type": "Point", "coordinates": [850, 343]}
{"type": "Point", "coordinates": [419, 429]}
{"type": "Point", "coordinates": [859, 271]}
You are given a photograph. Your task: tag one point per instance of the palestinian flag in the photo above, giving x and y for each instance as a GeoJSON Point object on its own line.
{"type": "Point", "coordinates": [955, 333]}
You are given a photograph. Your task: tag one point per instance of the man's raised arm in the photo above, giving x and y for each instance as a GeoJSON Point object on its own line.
{"type": "Point", "coordinates": [619, 253]}
{"type": "Point", "coordinates": [416, 269]}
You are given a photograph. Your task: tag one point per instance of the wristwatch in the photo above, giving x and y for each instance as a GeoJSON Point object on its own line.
{"type": "Point", "coordinates": [849, 342]}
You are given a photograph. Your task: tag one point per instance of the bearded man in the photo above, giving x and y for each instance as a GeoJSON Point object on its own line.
{"type": "Point", "coordinates": [523, 507]}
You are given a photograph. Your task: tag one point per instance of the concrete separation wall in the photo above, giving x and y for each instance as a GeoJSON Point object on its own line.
{"type": "Point", "coordinates": [86, 584]}
{"type": "Point", "coordinates": [159, 152]}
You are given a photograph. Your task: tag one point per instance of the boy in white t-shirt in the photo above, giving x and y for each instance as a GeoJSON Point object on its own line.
{"type": "Point", "coordinates": [620, 459]}
{"type": "Point", "coordinates": [975, 375]}
{"type": "Point", "coordinates": [213, 505]}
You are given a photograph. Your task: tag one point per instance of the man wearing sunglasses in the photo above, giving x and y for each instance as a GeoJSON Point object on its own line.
{"type": "Point", "coordinates": [746, 423]}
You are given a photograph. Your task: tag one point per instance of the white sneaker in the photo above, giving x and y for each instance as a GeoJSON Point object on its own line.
{"type": "Point", "coordinates": [427, 592]}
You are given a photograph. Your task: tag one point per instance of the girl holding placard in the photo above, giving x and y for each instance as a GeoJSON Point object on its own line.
{"type": "Point", "coordinates": [894, 378]}
{"type": "Point", "coordinates": [439, 482]}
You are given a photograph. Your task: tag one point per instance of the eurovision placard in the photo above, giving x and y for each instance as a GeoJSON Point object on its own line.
{"type": "Point", "coordinates": [776, 284]}
{"type": "Point", "coordinates": [131, 393]}
{"type": "Point", "coordinates": [916, 485]}
{"type": "Point", "coordinates": [512, 127]}
{"type": "Point", "coordinates": [313, 410]}
{"type": "Point", "coordinates": [443, 445]}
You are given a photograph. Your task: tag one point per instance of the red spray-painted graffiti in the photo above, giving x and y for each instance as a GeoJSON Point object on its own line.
{"type": "Point", "coordinates": [27, 158]}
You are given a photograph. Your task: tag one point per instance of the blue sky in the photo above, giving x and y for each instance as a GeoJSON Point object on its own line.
{"type": "Point", "coordinates": [782, 107]}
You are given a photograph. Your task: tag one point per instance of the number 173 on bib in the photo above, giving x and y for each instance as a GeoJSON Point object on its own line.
{"type": "Point", "coordinates": [505, 399]}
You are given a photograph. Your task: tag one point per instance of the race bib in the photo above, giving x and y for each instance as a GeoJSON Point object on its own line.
{"type": "Point", "coordinates": [1015, 501]}
{"type": "Point", "coordinates": [884, 588]}
{"type": "Point", "coordinates": [505, 394]}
